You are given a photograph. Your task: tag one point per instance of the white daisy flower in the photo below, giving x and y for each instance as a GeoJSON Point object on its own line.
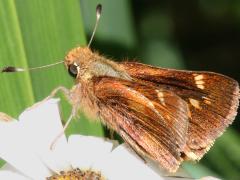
{"type": "Point", "coordinates": [25, 146]}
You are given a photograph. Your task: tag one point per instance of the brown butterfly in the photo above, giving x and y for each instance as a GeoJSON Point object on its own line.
{"type": "Point", "coordinates": [167, 115]}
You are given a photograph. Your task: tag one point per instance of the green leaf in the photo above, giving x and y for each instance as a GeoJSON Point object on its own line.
{"type": "Point", "coordinates": [36, 33]}
{"type": "Point", "coordinates": [197, 170]}
{"type": "Point", "coordinates": [16, 91]}
{"type": "Point", "coordinates": [223, 157]}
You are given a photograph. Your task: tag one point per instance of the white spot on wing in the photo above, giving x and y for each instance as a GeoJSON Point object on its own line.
{"type": "Point", "coordinates": [199, 80]}
{"type": "Point", "coordinates": [198, 77]}
{"type": "Point", "coordinates": [207, 100]}
{"type": "Point", "coordinates": [200, 86]}
{"type": "Point", "coordinates": [195, 103]}
{"type": "Point", "coordinates": [161, 97]}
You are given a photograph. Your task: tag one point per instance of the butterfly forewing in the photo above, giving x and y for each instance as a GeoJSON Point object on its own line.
{"type": "Point", "coordinates": [212, 99]}
{"type": "Point", "coordinates": [153, 121]}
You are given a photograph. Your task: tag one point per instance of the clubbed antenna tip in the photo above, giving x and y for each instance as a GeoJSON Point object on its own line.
{"type": "Point", "coordinates": [98, 15]}
{"type": "Point", "coordinates": [98, 10]}
{"type": "Point", "coordinates": [9, 69]}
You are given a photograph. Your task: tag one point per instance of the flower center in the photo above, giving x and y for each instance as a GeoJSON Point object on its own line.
{"type": "Point", "coordinates": [77, 174]}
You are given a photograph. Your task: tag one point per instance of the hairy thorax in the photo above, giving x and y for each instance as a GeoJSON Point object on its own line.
{"type": "Point", "coordinates": [90, 65]}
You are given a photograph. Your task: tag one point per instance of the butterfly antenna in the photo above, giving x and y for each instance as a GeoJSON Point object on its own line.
{"type": "Point", "coordinates": [98, 15]}
{"type": "Point", "coordinates": [10, 69]}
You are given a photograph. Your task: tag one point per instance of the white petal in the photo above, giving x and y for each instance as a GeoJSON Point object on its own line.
{"type": "Point", "coordinates": [16, 152]}
{"type": "Point", "coordinates": [85, 151]}
{"type": "Point", "coordinates": [124, 164]}
{"type": "Point", "coordinates": [209, 178]}
{"type": "Point", "coordinates": [9, 167]}
{"type": "Point", "coordinates": [8, 175]}
{"type": "Point", "coordinates": [41, 124]}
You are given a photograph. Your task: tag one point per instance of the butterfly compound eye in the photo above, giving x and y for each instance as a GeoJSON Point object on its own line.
{"type": "Point", "coordinates": [73, 70]}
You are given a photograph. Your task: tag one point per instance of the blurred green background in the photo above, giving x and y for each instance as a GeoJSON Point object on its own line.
{"type": "Point", "coordinates": [196, 35]}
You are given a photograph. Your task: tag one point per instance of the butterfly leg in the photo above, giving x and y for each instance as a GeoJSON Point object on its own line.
{"type": "Point", "coordinates": [62, 89]}
{"type": "Point", "coordinates": [65, 91]}
{"type": "Point", "coordinates": [73, 113]}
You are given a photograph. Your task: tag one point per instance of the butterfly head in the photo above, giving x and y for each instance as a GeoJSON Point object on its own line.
{"type": "Point", "coordinates": [78, 59]}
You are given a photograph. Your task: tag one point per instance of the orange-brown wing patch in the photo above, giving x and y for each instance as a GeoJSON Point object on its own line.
{"type": "Point", "coordinates": [152, 120]}
{"type": "Point", "coordinates": [212, 98]}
